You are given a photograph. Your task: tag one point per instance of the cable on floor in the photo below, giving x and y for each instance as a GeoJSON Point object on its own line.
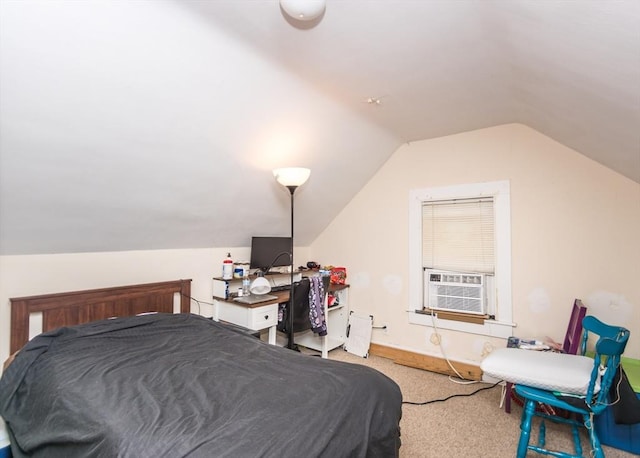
{"type": "Point", "coordinates": [452, 396]}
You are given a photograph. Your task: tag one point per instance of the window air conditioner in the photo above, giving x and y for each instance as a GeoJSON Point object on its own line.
{"type": "Point", "coordinates": [455, 291]}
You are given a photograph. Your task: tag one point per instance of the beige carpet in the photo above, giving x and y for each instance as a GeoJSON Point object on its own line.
{"type": "Point", "coordinates": [473, 426]}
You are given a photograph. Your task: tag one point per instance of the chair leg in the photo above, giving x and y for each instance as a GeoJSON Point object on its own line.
{"type": "Point", "coordinates": [577, 446]}
{"type": "Point", "coordinates": [596, 447]}
{"type": "Point", "coordinates": [542, 435]}
{"type": "Point", "coordinates": [525, 427]}
{"type": "Point", "coordinates": [507, 397]}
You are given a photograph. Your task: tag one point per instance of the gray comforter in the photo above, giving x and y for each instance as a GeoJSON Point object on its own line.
{"type": "Point", "coordinates": [182, 385]}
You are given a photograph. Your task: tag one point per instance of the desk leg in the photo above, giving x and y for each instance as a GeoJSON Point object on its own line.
{"type": "Point", "coordinates": [272, 335]}
{"type": "Point", "coordinates": [325, 346]}
{"type": "Point", "coordinates": [215, 311]}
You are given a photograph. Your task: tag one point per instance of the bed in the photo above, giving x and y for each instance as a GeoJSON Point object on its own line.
{"type": "Point", "coordinates": [106, 378]}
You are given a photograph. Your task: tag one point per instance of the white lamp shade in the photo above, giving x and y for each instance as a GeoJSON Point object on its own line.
{"type": "Point", "coordinates": [260, 286]}
{"type": "Point", "coordinates": [303, 10]}
{"type": "Point", "coordinates": [292, 176]}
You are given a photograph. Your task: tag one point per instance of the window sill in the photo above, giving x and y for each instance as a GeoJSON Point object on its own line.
{"type": "Point", "coordinates": [491, 328]}
{"type": "Point", "coordinates": [455, 316]}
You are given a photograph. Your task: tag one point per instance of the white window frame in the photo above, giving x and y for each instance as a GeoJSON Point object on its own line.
{"type": "Point", "coordinates": [502, 325]}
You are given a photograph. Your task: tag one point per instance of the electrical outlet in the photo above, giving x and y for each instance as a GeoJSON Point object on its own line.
{"type": "Point", "coordinates": [435, 338]}
{"type": "Point", "coordinates": [385, 329]}
{"type": "Point", "coordinates": [486, 349]}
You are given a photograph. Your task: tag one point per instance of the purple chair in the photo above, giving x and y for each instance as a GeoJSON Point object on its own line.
{"type": "Point", "coordinates": [571, 343]}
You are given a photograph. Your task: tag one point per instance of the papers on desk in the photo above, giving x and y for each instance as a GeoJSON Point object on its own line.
{"type": "Point", "coordinates": [527, 344]}
{"type": "Point", "coordinates": [255, 298]}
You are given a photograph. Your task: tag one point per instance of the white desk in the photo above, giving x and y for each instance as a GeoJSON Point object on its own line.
{"type": "Point", "coordinates": [264, 315]}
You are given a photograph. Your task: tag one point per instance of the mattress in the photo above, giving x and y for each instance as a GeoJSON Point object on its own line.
{"type": "Point", "coordinates": [182, 385]}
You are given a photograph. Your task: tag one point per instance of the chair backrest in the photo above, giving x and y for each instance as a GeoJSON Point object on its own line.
{"type": "Point", "coordinates": [572, 339]}
{"type": "Point", "coordinates": [610, 345]}
{"type": "Point", "coordinates": [301, 321]}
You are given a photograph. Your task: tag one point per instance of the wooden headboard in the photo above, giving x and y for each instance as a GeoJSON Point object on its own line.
{"type": "Point", "coordinates": [68, 309]}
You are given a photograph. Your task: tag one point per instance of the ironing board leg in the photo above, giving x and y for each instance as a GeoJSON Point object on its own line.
{"type": "Point", "coordinates": [507, 397]}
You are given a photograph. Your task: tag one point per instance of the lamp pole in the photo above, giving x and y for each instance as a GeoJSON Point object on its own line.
{"type": "Point", "coordinates": [291, 178]}
{"type": "Point", "coordinates": [290, 344]}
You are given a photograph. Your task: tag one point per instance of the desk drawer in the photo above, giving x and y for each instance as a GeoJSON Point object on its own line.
{"type": "Point", "coordinates": [263, 317]}
{"type": "Point", "coordinates": [255, 318]}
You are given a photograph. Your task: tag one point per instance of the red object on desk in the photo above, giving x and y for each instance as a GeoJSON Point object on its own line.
{"type": "Point", "coordinates": [338, 276]}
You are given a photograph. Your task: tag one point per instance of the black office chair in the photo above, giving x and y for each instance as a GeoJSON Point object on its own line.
{"type": "Point", "coordinates": [300, 320]}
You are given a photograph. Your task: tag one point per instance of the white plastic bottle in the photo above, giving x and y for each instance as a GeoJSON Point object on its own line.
{"type": "Point", "coordinates": [227, 268]}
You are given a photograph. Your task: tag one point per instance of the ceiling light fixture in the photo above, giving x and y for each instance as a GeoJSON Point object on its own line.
{"type": "Point", "coordinates": [303, 10]}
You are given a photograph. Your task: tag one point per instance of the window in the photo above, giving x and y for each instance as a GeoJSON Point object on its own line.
{"type": "Point", "coordinates": [458, 235]}
{"type": "Point", "coordinates": [463, 228]}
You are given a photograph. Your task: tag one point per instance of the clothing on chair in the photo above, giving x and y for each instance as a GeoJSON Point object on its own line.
{"type": "Point", "coordinates": [626, 411]}
{"type": "Point", "coordinates": [316, 307]}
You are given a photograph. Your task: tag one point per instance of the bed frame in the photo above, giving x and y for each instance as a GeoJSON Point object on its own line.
{"type": "Point", "coordinates": [68, 309]}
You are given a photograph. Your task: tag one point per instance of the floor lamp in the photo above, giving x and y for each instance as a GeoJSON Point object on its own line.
{"type": "Point", "coordinates": [291, 178]}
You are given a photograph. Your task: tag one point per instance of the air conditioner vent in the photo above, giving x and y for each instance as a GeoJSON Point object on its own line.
{"type": "Point", "coordinates": [455, 291]}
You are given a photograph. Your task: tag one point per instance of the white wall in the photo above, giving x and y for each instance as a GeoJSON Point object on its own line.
{"type": "Point", "coordinates": [575, 227]}
{"type": "Point", "coordinates": [44, 274]}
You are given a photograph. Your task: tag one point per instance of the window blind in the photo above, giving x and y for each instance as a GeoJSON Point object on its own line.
{"type": "Point", "coordinates": [458, 235]}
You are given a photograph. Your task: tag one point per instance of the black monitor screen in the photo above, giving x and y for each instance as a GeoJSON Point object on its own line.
{"type": "Point", "coordinates": [267, 252]}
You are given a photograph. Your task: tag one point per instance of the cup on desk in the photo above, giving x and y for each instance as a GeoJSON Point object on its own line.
{"type": "Point", "coordinates": [240, 269]}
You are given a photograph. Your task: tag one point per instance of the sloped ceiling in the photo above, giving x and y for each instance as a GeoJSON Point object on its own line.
{"type": "Point", "coordinates": [155, 124]}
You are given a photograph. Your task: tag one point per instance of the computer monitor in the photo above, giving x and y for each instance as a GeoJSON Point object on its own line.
{"type": "Point", "coordinates": [268, 252]}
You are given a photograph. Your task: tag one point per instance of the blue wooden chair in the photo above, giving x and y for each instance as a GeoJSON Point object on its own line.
{"type": "Point", "coordinates": [583, 406]}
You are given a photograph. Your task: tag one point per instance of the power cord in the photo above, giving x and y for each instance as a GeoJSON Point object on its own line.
{"type": "Point", "coordinates": [461, 380]}
{"type": "Point", "coordinates": [452, 396]}
{"type": "Point", "coordinates": [617, 390]}
{"type": "Point", "coordinates": [198, 303]}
